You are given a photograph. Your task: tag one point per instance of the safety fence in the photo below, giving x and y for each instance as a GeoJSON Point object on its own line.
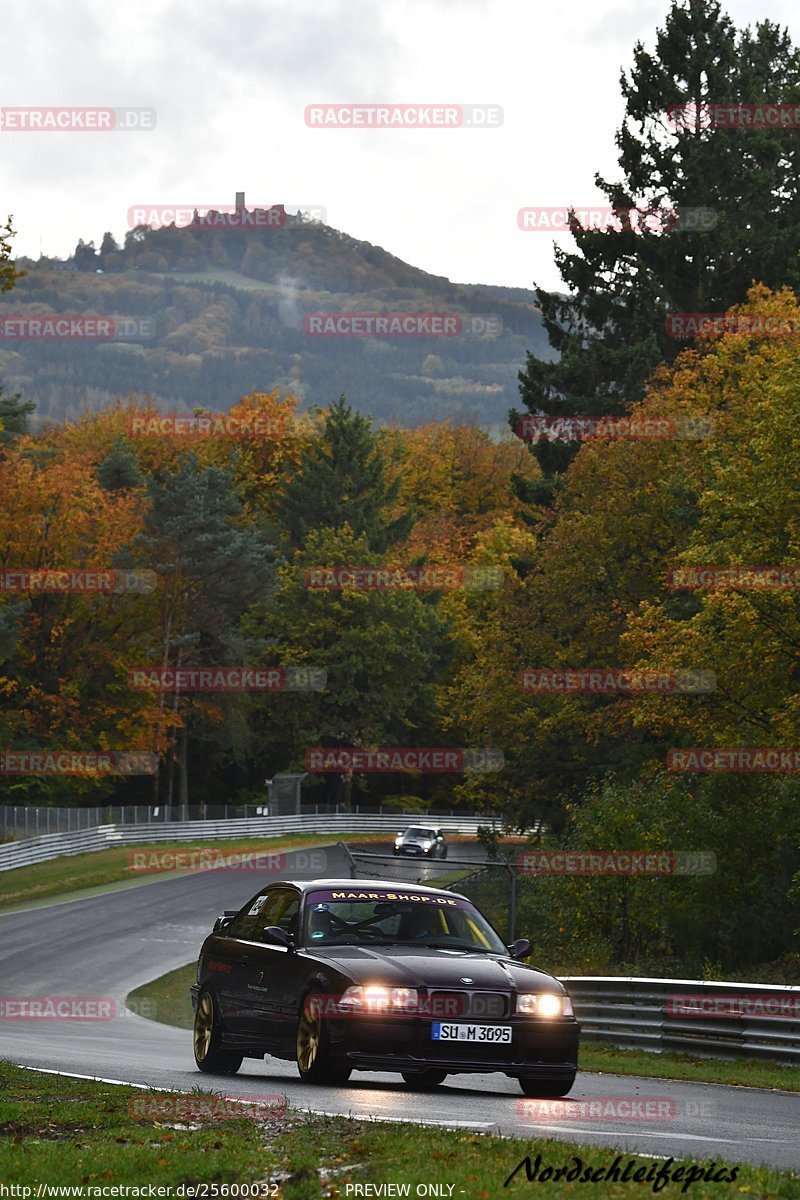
{"type": "Point", "coordinates": [690, 1016]}
{"type": "Point", "coordinates": [32, 820]}
{"type": "Point", "coordinates": [104, 837]}
{"type": "Point", "coordinates": [491, 885]}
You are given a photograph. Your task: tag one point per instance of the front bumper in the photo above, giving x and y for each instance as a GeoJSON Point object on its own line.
{"type": "Point", "coordinates": [548, 1050]}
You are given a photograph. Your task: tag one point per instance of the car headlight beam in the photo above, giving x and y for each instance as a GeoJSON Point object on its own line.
{"type": "Point", "coordinates": [376, 999]}
{"type": "Point", "coordinates": [544, 1004]}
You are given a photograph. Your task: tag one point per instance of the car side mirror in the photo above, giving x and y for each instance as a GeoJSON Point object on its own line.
{"type": "Point", "coordinates": [520, 948]}
{"type": "Point", "coordinates": [224, 919]}
{"type": "Point", "coordinates": [275, 936]}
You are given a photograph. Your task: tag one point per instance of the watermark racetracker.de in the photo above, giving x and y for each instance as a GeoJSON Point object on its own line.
{"type": "Point", "coordinates": [196, 216]}
{"type": "Point", "coordinates": [174, 1106]}
{"type": "Point", "coordinates": [64, 327]}
{"type": "Point", "coordinates": [425, 579]}
{"type": "Point", "coordinates": [748, 115]}
{"type": "Point", "coordinates": [56, 581]}
{"type": "Point", "coordinates": [78, 762]}
{"type": "Point", "coordinates": [228, 679]}
{"type": "Point", "coordinates": [185, 426]}
{"type": "Point", "coordinates": [693, 325]}
{"type": "Point", "coordinates": [730, 1005]}
{"type": "Point", "coordinates": [697, 577]}
{"type": "Point", "coordinates": [739, 760]}
{"type": "Point", "coordinates": [403, 116]}
{"type": "Point", "coordinates": [537, 427]}
{"type": "Point", "coordinates": [545, 681]}
{"type": "Point", "coordinates": [77, 120]}
{"type": "Point", "coordinates": [402, 324]}
{"type": "Point", "coordinates": [605, 218]}
{"type": "Point", "coordinates": [57, 1008]}
{"type": "Point", "coordinates": [631, 863]}
{"type": "Point", "coordinates": [210, 858]}
{"type": "Point", "coordinates": [437, 760]}
{"type": "Point", "coordinates": [613, 1108]}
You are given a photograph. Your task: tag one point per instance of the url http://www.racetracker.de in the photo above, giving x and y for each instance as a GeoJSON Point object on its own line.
{"type": "Point", "coordinates": [260, 1188]}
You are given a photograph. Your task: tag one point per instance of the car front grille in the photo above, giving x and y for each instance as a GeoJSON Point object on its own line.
{"type": "Point", "coordinates": [489, 1006]}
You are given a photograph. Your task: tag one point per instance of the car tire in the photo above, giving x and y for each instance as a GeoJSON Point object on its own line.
{"type": "Point", "coordinates": [209, 1053]}
{"type": "Point", "coordinates": [444, 851]}
{"type": "Point", "coordinates": [424, 1081]}
{"type": "Point", "coordinates": [544, 1089]}
{"type": "Point", "coordinates": [312, 1051]}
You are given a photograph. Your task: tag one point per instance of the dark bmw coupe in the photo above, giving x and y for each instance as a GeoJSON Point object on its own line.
{"type": "Point", "coordinates": [343, 975]}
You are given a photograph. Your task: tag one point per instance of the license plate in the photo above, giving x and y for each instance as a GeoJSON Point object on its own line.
{"type": "Point", "coordinates": [444, 1032]}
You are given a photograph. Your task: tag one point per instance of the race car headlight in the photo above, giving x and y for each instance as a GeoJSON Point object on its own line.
{"type": "Point", "coordinates": [378, 999]}
{"type": "Point", "coordinates": [544, 1004]}
{"type": "Point", "coordinates": [427, 845]}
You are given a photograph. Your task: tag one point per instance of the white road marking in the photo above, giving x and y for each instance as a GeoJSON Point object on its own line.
{"type": "Point", "coordinates": [685, 1137]}
{"type": "Point", "coordinates": [486, 1126]}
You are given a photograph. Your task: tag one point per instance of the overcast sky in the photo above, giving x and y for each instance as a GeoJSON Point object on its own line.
{"type": "Point", "coordinates": [231, 79]}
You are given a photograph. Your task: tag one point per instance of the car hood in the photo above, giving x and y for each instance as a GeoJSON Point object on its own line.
{"type": "Point", "coordinates": [411, 966]}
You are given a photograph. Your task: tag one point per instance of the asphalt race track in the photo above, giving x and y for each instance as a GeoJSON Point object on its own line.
{"type": "Point", "coordinates": [105, 945]}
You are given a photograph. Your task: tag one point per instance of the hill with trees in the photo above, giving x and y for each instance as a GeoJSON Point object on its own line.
{"type": "Point", "coordinates": [225, 309]}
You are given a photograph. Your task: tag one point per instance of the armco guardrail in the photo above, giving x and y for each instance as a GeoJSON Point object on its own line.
{"type": "Point", "coordinates": [103, 837]}
{"type": "Point", "coordinates": [35, 820]}
{"type": "Point", "coordinates": [641, 1014]}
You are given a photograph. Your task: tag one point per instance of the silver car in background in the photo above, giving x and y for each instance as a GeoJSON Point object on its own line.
{"type": "Point", "coordinates": [421, 841]}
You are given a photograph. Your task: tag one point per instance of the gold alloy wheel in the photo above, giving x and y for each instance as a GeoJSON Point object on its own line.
{"type": "Point", "coordinates": [203, 1025]}
{"type": "Point", "coordinates": [309, 1036]}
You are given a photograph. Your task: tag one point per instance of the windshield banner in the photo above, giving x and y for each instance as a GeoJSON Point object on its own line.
{"type": "Point", "coordinates": [347, 895]}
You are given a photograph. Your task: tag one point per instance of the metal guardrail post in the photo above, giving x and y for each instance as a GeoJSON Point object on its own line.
{"type": "Point", "coordinates": [512, 903]}
{"type": "Point", "coordinates": [351, 861]}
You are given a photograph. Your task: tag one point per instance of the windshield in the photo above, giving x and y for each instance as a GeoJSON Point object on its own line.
{"type": "Point", "coordinates": [415, 831]}
{"type": "Point", "coordinates": [380, 917]}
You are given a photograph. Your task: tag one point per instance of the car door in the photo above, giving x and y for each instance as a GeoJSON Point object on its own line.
{"type": "Point", "coordinates": [267, 970]}
{"type": "Point", "coordinates": [229, 959]}
{"type": "Point", "coordinates": [247, 986]}
{"type": "Point", "coordinates": [287, 971]}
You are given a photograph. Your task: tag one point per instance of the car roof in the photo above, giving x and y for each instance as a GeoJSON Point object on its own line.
{"type": "Point", "coordinates": [313, 885]}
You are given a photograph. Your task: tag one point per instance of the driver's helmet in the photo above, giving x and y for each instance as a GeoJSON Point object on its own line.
{"type": "Point", "coordinates": [416, 925]}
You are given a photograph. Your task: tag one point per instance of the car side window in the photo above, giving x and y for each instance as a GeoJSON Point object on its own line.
{"type": "Point", "coordinates": [271, 910]}
{"type": "Point", "coordinates": [281, 910]}
{"type": "Point", "coordinates": [287, 917]}
{"type": "Point", "coordinates": [254, 916]}
{"type": "Point", "coordinates": [278, 906]}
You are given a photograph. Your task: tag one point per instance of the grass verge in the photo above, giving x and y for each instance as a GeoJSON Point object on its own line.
{"type": "Point", "coordinates": [71, 1132]}
{"type": "Point", "coordinates": [167, 1000]}
{"type": "Point", "coordinates": [738, 1073]}
{"type": "Point", "coordinates": [102, 868]}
